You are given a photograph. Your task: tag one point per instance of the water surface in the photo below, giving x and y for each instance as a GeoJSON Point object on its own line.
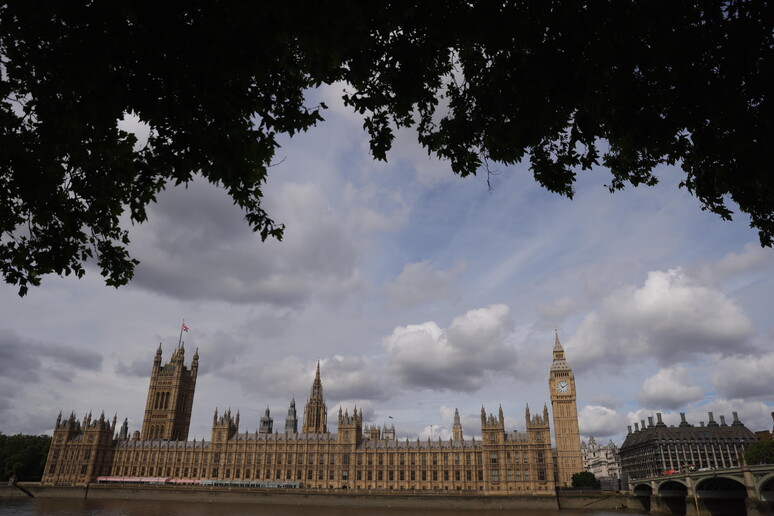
{"type": "Point", "coordinates": [75, 507]}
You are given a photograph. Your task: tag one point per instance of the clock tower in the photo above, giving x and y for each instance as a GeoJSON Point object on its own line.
{"type": "Point", "coordinates": [561, 383]}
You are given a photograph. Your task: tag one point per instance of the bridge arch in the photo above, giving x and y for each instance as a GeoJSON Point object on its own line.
{"type": "Point", "coordinates": [673, 493]}
{"type": "Point", "coordinates": [765, 488]}
{"type": "Point", "coordinates": [722, 494]}
{"type": "Point", "coordinates": [642, 492]}
{"type": "Point", "coordinates": [720, 486]}
{"type": "Point", "coordinates": [672, 484]}
{"type": "Point", "coordinates": [642, 489]}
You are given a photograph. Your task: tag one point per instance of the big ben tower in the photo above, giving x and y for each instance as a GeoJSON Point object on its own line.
{"type": "Point", "coordinates": [561, 382]}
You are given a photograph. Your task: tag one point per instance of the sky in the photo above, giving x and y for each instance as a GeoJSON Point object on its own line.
{"type": "Point", "coordinates": [419, 292]}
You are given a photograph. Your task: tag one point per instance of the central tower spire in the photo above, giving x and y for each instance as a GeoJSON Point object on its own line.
{"type": "Point", "coordinates": [315, 412]}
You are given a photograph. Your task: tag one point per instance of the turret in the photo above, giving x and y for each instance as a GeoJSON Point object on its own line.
{"type": "Point", "coordinates": [457, 427]}
{"type": "Point", "coordinates": [291, 421]}
{"type": "Point", "coordinates": [493, 428]}
{"type": "Point", "coordinates": [388, 432]}
{"type": "Point", "coordinates": [351, 427]}
{"type": "Point", "coordinates": [123, 435]}
{"type": "Point", "coordinates": [195, 364]}
{"type": "Point", "coordinates": [538, 430]}
{"type": "Point", "coordinates": [267, 423]}
{"type": "Point", "coordinates": [374, 433]}
{"type": "Point", "coordinates": [224, 427]}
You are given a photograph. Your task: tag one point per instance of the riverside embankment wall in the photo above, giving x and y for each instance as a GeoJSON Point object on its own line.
{"type": "Point", "coordinates": [328, 498]}
{"type": "Point", "coordinates": [8, 491]}
{"type": "Point", "coordinates": [602, 501]}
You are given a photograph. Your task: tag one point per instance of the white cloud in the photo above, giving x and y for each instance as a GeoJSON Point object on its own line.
{"type": "Point", "coordinates": [669, 318]}
{"type": "Point", "coordinates": [747, 376]}
{"type": "Point", "coordinates": [343, 378]}
{"type": "Point", "coordinates": [752, 258]}
{"type": "Point", "coordinates": [371, 209]}
{"type": "Point", "coordinates": [457, 358]}
{"type": "Point", "coordinates": [557, 310]}
{"type": "Point", "coordinates": [607, 400]}
{"type": "Point", "coordinates": [196, 246]}
{"type": "Point", "coordinates": [755, 415]}
{"type": "Point", "coordinates": [600, 421]}
{"type": "Point", "coordinates": [670, 388]}
{"type": "Point", "coordinates": [421, 282]}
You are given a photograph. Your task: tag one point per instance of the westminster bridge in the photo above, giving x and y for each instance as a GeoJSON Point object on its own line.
{"type": "Point", "coordinates": [718, 492]}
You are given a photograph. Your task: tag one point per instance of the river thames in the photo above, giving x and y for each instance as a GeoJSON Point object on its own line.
{"type": "Point", "coordinates": [71, 507]}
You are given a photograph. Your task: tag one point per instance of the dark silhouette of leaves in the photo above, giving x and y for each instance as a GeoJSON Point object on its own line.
{"type": "Point", "coordinates": [564, 85]}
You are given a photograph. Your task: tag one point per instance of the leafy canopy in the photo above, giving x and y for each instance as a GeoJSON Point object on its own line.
{"type": "Point", "coordinates": [585, 479]}
{"type": "Point", "coordinates": [761, 452]}
{"type": "Point", "coordinates": [23, 456]}
{"type": "Point", "coordinates": [564, 85]}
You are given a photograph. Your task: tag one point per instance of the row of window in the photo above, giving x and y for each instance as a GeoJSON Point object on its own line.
{"type": "Point", "coordinates": [424, 476]}
{"type": "Point", "coordinates": [301, 458]}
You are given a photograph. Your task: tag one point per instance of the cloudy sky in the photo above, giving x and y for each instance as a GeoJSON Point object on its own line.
{"type": "Point", "coordinates": [418, 291]}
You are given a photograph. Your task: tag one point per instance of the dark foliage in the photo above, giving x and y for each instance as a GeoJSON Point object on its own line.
{"type": "Point", "coordinates": [564, 85]}
{"type": "Point", "coordinates": [23, 456]}
{"type": "Point", "coordinates": [760, 453]}
{"type": "Point", "coordinates": [585, 479]}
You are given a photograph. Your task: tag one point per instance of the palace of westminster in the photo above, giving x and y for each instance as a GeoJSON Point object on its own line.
{"type": "Point", "coordinates": [356, 457]}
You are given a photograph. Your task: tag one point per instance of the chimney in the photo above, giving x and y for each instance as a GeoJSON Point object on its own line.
{"type": "Point", "coordinates": [636, 427]}
{"type": "Point", "coordinates": [683, 422]}
{"type": "Point", "coordinates": [711, 420]}
{"type": "Point", "coordinates": [630, 427]}
{"type": "Point", "coordinates": [723, 421]}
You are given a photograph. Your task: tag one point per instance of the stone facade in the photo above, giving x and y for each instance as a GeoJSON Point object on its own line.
{"type": "Point", "coordinates": [170, 397]}
{"type": "Point", "coordinates": [498, 462]}
{"type": "Point", "coordinates": [603, 461]}
{"type": "Point", "coordinates": [657, 449]}
{"type": "Point", "coordinates": [561, 382]}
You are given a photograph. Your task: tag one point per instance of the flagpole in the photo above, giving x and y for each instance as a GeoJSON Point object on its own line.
{"type": "Point", "coordinates": [180, 342]}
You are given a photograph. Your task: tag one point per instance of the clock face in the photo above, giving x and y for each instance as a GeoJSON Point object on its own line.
{"type": "Point", "coordinates": [563, 387]}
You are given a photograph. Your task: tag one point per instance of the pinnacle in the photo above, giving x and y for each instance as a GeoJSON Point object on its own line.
{"type": "Point", "coordinates": [557, 344]}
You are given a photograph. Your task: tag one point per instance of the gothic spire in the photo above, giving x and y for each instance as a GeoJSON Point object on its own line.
{"type": "Point", "coordinates": [559, 363]}
{"type": "Point", "coordinates": [315, 412]}
{"type": "Point", "coordinates": [316, 392]}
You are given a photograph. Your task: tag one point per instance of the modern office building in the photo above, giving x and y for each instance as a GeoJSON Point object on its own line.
{"type": "Point", "coordinates": [655, 449]}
